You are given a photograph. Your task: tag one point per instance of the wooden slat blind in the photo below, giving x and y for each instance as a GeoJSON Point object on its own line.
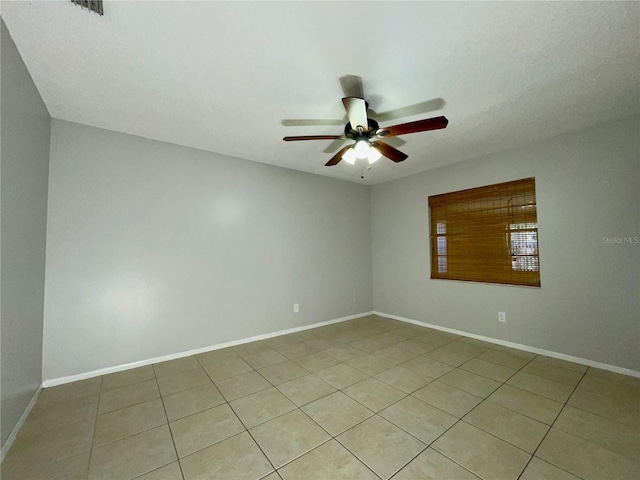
{"type": "Point", "coordinates": [486, 234]}
{"type": "Point", "coordinates": [93, 5]}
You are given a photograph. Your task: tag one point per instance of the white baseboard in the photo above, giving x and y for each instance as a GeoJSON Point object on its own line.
{"type": "Point", "coordinates": [119, 368]}
{"type": "Point", "coordinates": [517, 346]}
{"type": "Point", "coordinates": [14, 433]}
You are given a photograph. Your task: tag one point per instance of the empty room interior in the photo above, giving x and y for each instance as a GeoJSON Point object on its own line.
{"type": "Point", "coordinates": [320, 240]}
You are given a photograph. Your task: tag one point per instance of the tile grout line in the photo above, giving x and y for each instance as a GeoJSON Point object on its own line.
{"type": "Point", "coordinates": [253, 438]}
{"type": "Point", "coordinates": [95, 425]}
{"type": "Point", "coordinates": [95, 416]}
{"type": "Point", "coordinates": [331, 437]}
{"type": "Point", "coordinates": [129, 385]}
{"type": "Point", "coordinates": [522, 390]}
{"type": "Point", "coordinates": [278, 416]}
{"type": "Point", "coordinates": [335, 437]}
{"type": "Point", "coordinates": [62, 425]}
{"type": "Point", "coordinates": [637, 429]}
{"type": "Point", "coordinates": [566, 404]}
{"type": "Point", "coordinates": [368, 418]}
{"type": "Point", "coordinates": [134, 405]}
{"type": "Point", "coordinates": [427, 445]}
{"type": "Point", "coordinates": [244, 425]}
{"type": "Point", "coordinates": [461, 419]}
{"type": "Point", "coordinates": [370, 468]}
{"type": "Point", "coordinates": [173, 440]}
{"type": "Point", "coordinates": [550, 427]}
{"type": "Point", "coordinates": [237, 416]}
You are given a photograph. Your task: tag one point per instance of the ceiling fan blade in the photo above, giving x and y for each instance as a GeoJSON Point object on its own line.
{"type": "Point", "coordinates": [390, 152]}
{"type": "Point", "coordinates": [333, 146]}
{"type": "Point", "coordinates": [310, 122]}
{"type": "Point", "coordinates": [337, 157]}
{"type": "Point", "coordinates": [396, 142]}
{"type": "Point", "coordinates": [414, 127]}
{"type": "Point", "coordinates": [357, 112]}
{"type": "Point", "coordinates": [352, 86]}
{"type": "Point", "coordinates": [313, 137]}
{"type": "Point", "coordinates": [415, 109]}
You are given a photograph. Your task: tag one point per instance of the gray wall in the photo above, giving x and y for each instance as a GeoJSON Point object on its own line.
{"type": "Point", "coordinates": [588, 189]}
{"type": "Point", "coordinates": [154, 249]}
{"type": "Point", "coordinates": [25, 136]}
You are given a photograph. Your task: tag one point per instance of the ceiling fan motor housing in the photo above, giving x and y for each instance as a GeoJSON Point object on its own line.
{"type": "Point", "coordinates": [354, 134]}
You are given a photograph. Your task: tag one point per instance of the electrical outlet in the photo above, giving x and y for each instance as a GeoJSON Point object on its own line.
{"type": "Point", "coordinates": [354, 297]}
{"type": "Point", "coordinates": [502, 317]}
{"type": "Point", "coordinates": [296, 307]}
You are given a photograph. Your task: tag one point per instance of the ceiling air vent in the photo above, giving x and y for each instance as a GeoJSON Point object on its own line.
{"type": "Point", "coordinates": [93, 5]}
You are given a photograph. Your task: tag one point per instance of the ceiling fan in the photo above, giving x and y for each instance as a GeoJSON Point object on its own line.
{"type": "Point", "coordinates": [366, 133]}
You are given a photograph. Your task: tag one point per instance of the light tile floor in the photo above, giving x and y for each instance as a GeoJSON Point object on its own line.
{"type": "Point", "coordinates": [366, 399]}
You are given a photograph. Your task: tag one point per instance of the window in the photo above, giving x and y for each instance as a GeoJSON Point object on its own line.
{"type": "Point", "coordinates": [486, 234]}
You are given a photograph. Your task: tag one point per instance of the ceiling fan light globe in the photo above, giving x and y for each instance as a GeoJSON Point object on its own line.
{"type": "Point", "coordinates": [362, 149]}
{"type": "Point", "coordinates": [350, 156]}
{"type": "Point", "coordinates": [374, 155]}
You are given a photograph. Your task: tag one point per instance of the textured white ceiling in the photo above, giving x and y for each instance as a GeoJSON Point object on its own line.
{"type": "Point", "coordinates": [221, 76]}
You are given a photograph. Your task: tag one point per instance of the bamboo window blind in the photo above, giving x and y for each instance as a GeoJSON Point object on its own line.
{"type": "Point", "coordinates": [486, 234]}
{"type": "Point", "coordinates": [93, 5]}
